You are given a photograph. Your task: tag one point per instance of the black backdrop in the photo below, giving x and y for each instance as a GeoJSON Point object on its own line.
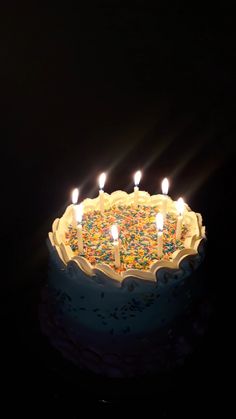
{"type": "Point", "coordinates": [111, 88]}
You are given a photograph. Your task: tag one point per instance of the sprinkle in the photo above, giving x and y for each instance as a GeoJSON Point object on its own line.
{"type": "Point", "coordinates": [137, 235]}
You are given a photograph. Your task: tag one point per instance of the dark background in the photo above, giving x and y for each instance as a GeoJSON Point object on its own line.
{"type": "Point", "coordinates": [112, 88]}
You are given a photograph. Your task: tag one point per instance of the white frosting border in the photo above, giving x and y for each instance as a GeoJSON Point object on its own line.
{"type": "Point", "coordinates": [191, 245]}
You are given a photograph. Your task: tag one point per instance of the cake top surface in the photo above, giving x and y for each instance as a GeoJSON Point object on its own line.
{"type": "Point", "coordinates": [138, 238]}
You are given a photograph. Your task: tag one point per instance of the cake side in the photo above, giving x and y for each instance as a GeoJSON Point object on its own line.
{"type": "Point", "coordinates": [121, 328]}
{"type": "Point", "coordinates": [132, 305]}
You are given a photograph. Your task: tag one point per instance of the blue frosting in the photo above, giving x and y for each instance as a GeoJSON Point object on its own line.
{"type": "Point", "coordinates": [109, 318]}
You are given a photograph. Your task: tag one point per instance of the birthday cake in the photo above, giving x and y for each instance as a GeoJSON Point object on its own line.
{"type": "Point", "coordinates": [114, 300]}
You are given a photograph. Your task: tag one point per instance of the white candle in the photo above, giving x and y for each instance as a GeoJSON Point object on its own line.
{"type": "Point", "coordinates": [159, 224]}
{"type": "Point", "coordinates": [115, 234]}
{"type": "Point", "coordinates": [165, 189]}
{"type": "Point", "coordinates": [74, 199]}
{"type": "Point", "coordinates": [101, 182]}
{"type": "Point", "coordinates": [137, 178]}
{"type": "Point", "coordinates": [180, 209]}
{"type": "Point", "coordinates": [79, 215]}
{"type": "Point", "coordinates": [80, 238]}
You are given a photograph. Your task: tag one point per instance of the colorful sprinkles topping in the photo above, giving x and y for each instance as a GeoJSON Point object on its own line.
{"type": "Point", "coordinates": [137, 236]}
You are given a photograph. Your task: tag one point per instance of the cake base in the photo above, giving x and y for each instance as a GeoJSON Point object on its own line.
{"type": "Point", "coordinates": [146, 353]}
{"type": "Point", "coordinates": [124, 329]}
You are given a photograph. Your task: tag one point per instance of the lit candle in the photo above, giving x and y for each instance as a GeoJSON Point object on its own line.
{"type": "Point", "coordinates": [137, 178]}
{"type": "Point", "coordinates": [165, 189]}
{"type": "Point", "coordinates": [101, 182]}
{"type": "Point", "coordinates": [180, 209]}
{"type": "Point", "coordinates": [74, 199]}
{"type": "Point", "coordinates": [115, 234]}
{"type": "Point", "coordinates": [159, 224]}
{"type": "Point", "coordinates": [79, 215]}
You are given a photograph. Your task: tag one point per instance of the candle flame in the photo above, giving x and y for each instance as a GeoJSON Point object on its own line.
{"type": "Point", "coordinates": [137, 177]}
{"type": "Point", "coordinates": [165, 186]}
{"type": "Point", "coordinates": [102, 180]}
{"type": "Point", "coordinates": [159, 221]}
{"type": "Point", "coordinates": [180, 206]}
{"type": "Point", "coordinates": [114, 232]}
{"type": "Point", "coordinates": [75, 196]}
{"type": "Point", "coordinates": [79, 213]}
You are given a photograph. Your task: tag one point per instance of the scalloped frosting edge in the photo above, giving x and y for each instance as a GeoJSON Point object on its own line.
{"type": "Point", "coordinates": [192, 242]}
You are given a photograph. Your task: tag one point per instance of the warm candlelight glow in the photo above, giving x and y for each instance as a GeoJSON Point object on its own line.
{"type": "Point", "coordinates": [79, 213]}
{"type": "Point", "coordinates": [159, 221]}
{"type": "Point", "coordinates": [114, 232]}
{"type": "Point", "coordinates": [180, 206]}
{"type": "Point", "coordinates": [165, 186]}
{"type": "Point", "coordinates": [75, 196]}
{"type": "Point", "coordinates": [137, 177]}
{"type": "Point", "coordinates": [102, 180]}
